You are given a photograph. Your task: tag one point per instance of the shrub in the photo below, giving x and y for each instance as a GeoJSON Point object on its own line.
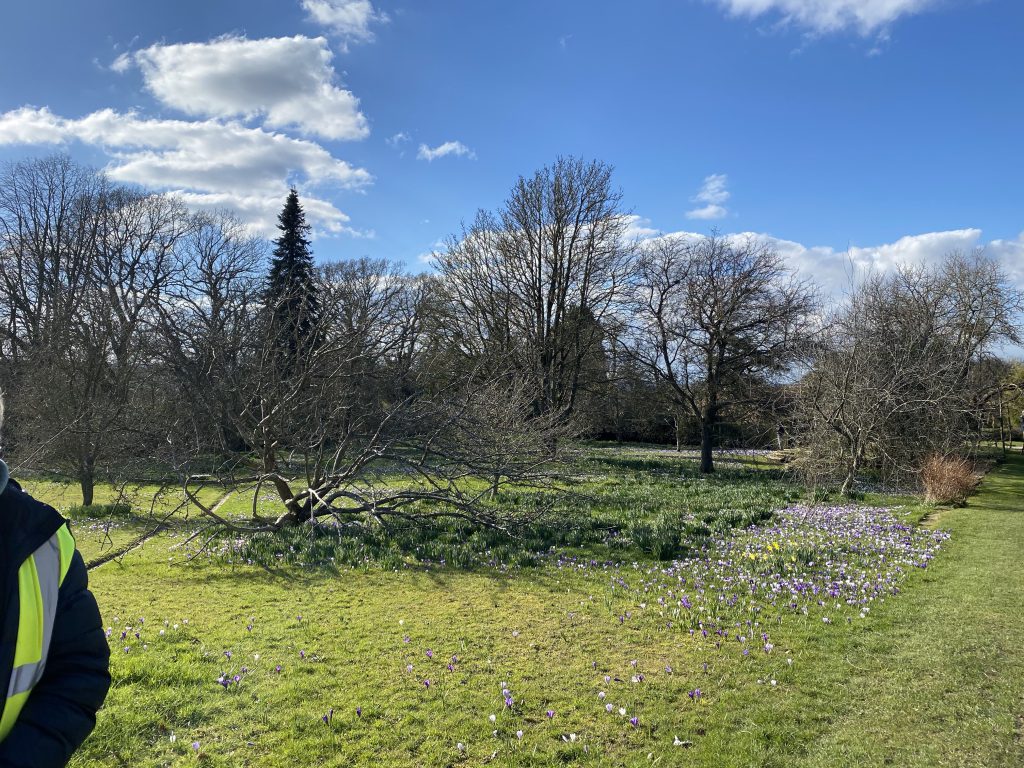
{"type": "Point", "coordinates": [947, 480]}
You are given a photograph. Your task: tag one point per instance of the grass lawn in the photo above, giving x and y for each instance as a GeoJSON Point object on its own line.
{"type": "Point", "coordinates": [900, 665]}
{"type": "Point", "coordinates": [939, 679]}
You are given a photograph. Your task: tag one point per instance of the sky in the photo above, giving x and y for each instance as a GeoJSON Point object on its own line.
{"type": "Point", "coordinates": [849, 131]}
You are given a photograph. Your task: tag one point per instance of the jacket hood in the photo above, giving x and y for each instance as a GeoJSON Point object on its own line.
{"type": "Point", "coordinates": [25, 524]}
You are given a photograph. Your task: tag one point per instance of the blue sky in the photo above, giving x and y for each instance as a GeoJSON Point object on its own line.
{"type": "Point", "coordinates": [866, 129]}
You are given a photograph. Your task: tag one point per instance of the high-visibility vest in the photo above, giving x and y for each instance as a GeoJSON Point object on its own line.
{"type": "Point", "coordinates": [39, 580]}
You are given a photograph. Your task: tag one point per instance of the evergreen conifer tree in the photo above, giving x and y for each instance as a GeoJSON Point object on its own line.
{"type": "Point", "coordinates": [291, 288]}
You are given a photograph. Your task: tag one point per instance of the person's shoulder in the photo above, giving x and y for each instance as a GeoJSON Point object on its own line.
{"type": "Point", "coordinates": [25, 522]}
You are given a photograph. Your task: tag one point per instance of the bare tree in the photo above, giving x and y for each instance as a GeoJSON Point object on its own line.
{"type": "Point", "coordinates": [532, 284]}
{"type": "Point", "coordinates": [715, 319]}
{"type": "Point", "coordinates": [47, 228]}
{"type": "Point", "coordinates": [208, 331]}
{"type": "Point", "coordinates": [361, 429]}
{"type": "Point", "coordinates": [84, 264]}
{"type": "Point", "coordinates": [900, 370]}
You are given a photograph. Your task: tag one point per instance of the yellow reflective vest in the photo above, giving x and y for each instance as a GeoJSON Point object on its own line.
{"type": "Point", "coordinates": [39, 581]}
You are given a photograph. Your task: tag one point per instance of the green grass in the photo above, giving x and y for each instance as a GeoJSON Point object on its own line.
{"type": "Point", "coordinates": [940, 679]}
{"type": "Point", "coordinates": [933, 676]}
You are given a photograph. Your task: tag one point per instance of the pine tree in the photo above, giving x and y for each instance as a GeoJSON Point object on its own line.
{"type": "Point", "coordinates": [291, 288]}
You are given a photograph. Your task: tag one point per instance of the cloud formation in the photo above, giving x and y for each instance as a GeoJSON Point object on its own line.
{"type": "Point", "coordinates": [833, 269]}
{"type": "Point", "coordinates": [350, 20]}
{"type": "Point", "coordinates": [827, 16]}
{"type": "Point", "coordinates": [208, 163]}
{"type": "Point", "coordinates": [456, 148]}
{"type": "Point", "coordinates": [713, 194]}
{"type": "Point", "coordinates": [288, 82]}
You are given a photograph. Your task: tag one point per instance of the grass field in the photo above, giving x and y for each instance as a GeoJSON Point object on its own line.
{"type": "Point", "coordinates": [818, 636]}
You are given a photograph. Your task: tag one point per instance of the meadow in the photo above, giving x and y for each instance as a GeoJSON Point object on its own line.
{"type": "Point", "coordinates": [650, 616]}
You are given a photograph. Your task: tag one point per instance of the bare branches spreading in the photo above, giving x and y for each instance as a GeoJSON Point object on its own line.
{"type": "Point", "coordinates": [139, 337]}
{"type": "Point", "coordinates": [898, 371]}
{"type": "Point", "coordinates": [715, 320]}
{"type": "Point", "coordinates": [83, 265]}
{"type": "Point", "coordinates": [533, 283]}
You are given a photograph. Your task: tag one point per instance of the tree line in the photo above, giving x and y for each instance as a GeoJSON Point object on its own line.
{"type": "Point", "coordinates": [142, 338]}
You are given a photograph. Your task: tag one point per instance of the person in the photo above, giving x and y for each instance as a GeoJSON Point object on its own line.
{"type": "Point", "coordinates": [53, 650]}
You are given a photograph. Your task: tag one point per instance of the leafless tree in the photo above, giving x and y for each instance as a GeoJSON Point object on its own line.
{"type": "Point", "coordinates": [83, 265]}
{"type": "Point", "coordinates": [208, 327]}
{"type": "Point", "coordinates": [361, 431]}
{"type": "Point", "coordinates": [715, 320]}
{"type": "Point", "coordinates": [899, 369]}
{"type": "Point", "coordinates": [532, 284]}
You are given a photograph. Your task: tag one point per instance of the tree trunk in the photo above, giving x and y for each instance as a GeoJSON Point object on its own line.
{"type": "Point", "coordinates": [87, 477]}
{"type": "Point", "coordinates": [678, 421]}
{"type": "Point", "coordinates": [851, 471]}
{"type": "Point", "coordinates": [1002, 434]}
{"type": "Point", "coordinates": [707, 444]}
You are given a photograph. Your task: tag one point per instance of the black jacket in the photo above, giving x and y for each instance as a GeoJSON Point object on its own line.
{"type": "Point", "coordinates": [61, 710]}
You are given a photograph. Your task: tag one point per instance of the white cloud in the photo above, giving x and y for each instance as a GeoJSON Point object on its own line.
{"type": "Point", "coordinates": [428, 257]}
{"type": "Point", "coordinates": [638, 228]}
{"type": "Point", "coordinates": [209, 163]}
{"type": "Point", "coordinates": [708, 212]}
{"type": "Point", "coordinates": [1011, 255]}
{"type": "Point", "coordinates": [286, 81]}
{"type": "Point", "coordinates": [456, 148]}
{"type": "Point", "coordinates": [713, 194]}
{"type": "Point", "coordinates": [825, 16]}
{"type": "Point", "coordinates": [122, 63]}
{"type": "Point", "coordinates": [833, 268]}
{"type": "Point", "coordinates": [349, 19]}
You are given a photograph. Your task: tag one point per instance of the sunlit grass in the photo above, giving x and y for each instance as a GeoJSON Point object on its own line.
{"type": "Point", "coordinates": [909, 684]}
